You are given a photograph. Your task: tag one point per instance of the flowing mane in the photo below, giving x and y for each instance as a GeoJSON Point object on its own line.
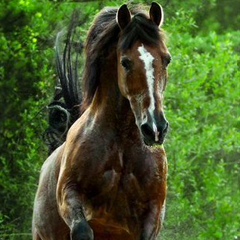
{"type": "Point", "coordinates": [103, 38]}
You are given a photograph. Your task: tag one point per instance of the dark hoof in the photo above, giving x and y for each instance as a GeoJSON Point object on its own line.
{"type": "Point", "coordinates": [82, 231]}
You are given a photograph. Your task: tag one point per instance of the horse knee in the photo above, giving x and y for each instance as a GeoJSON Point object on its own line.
{"type": "Point", "coordinates": [82, 231]}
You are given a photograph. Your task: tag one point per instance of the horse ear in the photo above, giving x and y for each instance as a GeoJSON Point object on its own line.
{"type": "Point", "coordinates": [156, 14]}
{"type": "Point", "coordinates": [123, 17]}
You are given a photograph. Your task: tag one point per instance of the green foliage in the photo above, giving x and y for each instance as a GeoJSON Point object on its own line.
{"type": "Point", "coordinates": [203, 149]}
{"type": "Point", "coordinates": [26, 86]}
{"type": "Point", "coordinates": [28, 75]}
{"type": "Point", "coordinates": [202, 102]}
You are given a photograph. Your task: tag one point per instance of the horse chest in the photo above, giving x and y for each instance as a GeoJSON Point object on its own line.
{"type": "Point", "coordinates": [123, 187]}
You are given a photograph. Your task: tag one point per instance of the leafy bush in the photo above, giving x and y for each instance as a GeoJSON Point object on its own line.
{"type": "Point", "coordinates": [27, 56]}
{"type": "Point", "coordinates": [202, 102]}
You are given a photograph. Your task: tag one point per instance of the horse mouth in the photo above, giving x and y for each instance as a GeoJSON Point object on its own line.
{"type": "Point", "coordinates": [151, 137]}
{"type": "Point", "coordinates": [150, 142]}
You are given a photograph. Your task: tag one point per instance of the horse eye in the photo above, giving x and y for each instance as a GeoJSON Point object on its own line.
{"type": "Point", "coordinates": [126, 63]}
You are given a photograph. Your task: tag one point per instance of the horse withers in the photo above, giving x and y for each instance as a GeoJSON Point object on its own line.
{"type": "Point", "coordinates": [108, 180]}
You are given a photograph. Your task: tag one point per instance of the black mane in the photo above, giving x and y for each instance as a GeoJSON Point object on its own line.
{"type": "Point", "coordinates": [64, 110]}
{"type": "Point", "coordinates": [140, 29]}
{"type": "Point", "coordinates": [103, 38]}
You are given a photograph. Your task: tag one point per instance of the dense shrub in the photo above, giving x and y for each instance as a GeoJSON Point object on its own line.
{"type": "Point", "coordinates": [202, 102]}
{"type": "Point", "coordinates": [28, 31]}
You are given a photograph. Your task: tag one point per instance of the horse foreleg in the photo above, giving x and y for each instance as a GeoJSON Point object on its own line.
{"type": "Point", "coordinates": [81, 231]}
{"type": "Point", "coordinates": [72, 211]}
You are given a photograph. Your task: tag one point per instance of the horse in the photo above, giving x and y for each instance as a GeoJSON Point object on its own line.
{"type": "Point", "coordinates": [108, 180]}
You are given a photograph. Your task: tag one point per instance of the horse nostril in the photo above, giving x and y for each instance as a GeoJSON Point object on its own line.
{"type": "Point", "coordinates": [165, 128]}
{"type": "Point", "coordinates": [154, 133]}
{"type": "Point", "coordinates": [146, 129]}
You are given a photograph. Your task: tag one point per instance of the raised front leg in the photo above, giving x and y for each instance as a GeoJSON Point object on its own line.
{"type": "Point", "coordinates": [153, 221]}
{"type": "Point", "coordinates": [71, 208]}
{"type": "Point", "coordinates": [81, 231]}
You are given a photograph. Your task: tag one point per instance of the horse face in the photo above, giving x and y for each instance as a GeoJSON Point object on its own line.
{"type": "Point", "coordinates": [142, 77]}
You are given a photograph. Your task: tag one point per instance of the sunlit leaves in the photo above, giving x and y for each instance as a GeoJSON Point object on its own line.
{"type": "Point", "coordinates": [203, 109]}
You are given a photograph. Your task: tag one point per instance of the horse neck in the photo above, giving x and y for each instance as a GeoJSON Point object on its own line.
{"type": "Point", "coordinates": [109, 106]}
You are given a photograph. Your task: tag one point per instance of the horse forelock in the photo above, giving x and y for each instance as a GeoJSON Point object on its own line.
{"type": "Point", "coordinates": [140, 29]}
{"type": "Point", "coordinates": [103, 38]}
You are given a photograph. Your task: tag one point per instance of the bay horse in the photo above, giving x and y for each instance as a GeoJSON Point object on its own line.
{"type": "Point", "coordinates": [108, 180]}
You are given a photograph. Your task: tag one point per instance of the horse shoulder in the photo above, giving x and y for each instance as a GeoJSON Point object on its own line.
{"type": "Point", "coordinates": [48, 179]}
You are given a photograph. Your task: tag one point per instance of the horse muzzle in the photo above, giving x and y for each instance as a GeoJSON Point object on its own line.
{"type": "Point", "coordinates": [154, 131]}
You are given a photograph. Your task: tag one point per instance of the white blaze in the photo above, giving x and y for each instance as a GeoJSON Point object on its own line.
{"type": "Point", "coordinates": [147, 59]}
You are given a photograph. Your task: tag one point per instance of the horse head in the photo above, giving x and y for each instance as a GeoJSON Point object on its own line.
{"type": "Point", "coordinates": [142, 70]}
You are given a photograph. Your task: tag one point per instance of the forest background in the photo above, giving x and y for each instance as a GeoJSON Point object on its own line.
{"type": "Point", "coordinates": [202, 105]}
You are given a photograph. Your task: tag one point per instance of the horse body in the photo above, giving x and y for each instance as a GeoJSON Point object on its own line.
{"type": "Point", "coordinates": [115, 180]}
{"type": "Point", "coordinates": [104, 182]}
